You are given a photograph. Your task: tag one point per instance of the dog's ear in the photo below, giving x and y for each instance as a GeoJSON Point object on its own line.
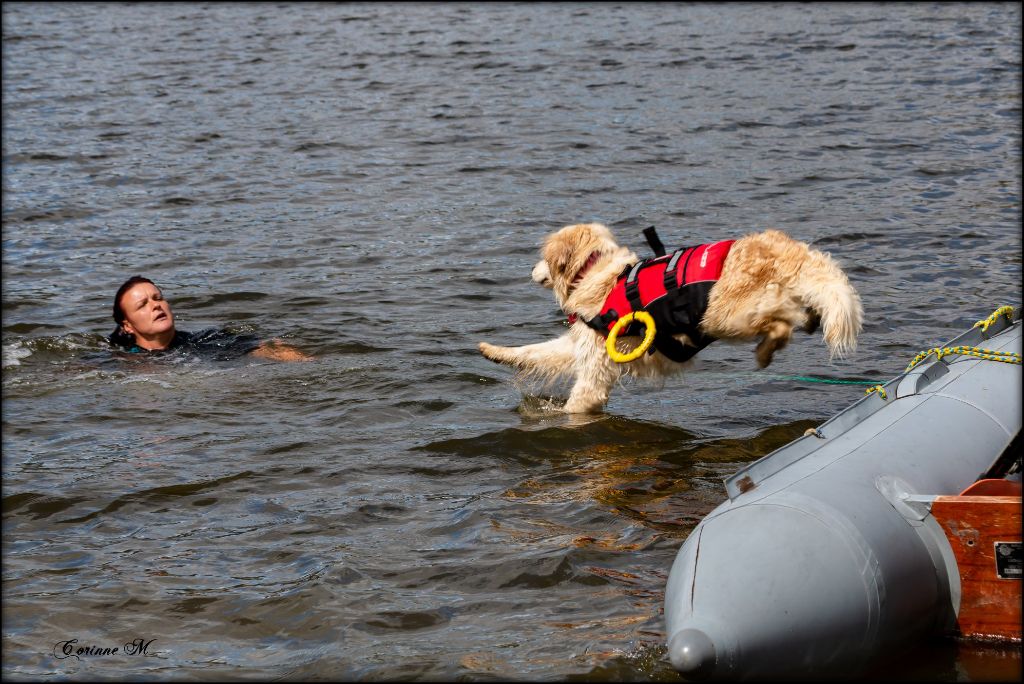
{"type": "Point", "coordinates": [558, 254]}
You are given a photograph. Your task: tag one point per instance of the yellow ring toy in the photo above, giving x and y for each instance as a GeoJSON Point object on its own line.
{"type": "Point", "coordinates": [613, 335]}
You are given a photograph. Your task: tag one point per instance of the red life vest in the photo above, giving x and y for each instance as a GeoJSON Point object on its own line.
{"type": "Point", "coordinates": [674, 289]}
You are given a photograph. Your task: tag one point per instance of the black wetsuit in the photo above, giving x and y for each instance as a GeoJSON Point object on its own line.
{"type": "Point", "coordinates": [210, 343]}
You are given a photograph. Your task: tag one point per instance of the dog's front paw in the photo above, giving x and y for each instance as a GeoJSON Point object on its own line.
{"type": "Point", "coordinates": [583, 405]}
{"type": "Point", "coordinates": [490, 351]}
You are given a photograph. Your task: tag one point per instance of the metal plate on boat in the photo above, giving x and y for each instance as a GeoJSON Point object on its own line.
{"type": "Point", "coordinates": [1009, 560]}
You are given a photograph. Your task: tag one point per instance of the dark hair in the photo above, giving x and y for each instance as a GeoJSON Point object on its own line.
{"type": "Point", "coordinates": [120, 337]}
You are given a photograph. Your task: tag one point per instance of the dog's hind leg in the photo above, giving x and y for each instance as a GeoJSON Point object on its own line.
{"type": "Point", "coordinates": [777, 334]}
{"type": "Point", "coordinates": [813, 321]}
{"type": "Point", "coordinates": [547, 359]}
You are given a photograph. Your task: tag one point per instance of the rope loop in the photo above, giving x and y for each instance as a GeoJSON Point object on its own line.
{"type": "Point", "coordinates": [879, 389]}
{"type": "Point", "coordinates": [984, 324]}
{"type": "Point", "coordinates": [613, 335]}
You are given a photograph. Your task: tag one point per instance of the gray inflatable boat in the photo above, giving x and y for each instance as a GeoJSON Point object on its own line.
{"type": "Point", "coordinates": [824, 556]}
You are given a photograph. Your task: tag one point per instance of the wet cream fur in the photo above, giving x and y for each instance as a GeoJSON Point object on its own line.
{"type": "Point", "coordinates": [770, 284]}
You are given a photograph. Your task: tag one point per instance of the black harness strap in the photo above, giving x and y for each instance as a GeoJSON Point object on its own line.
{"type": "Point", "coordinates": [671, 282]}
{"type": "Point", "coordinates": [686, 264]}
{"type": "Point", "coordinates": [633, 287]}
{"type": "Point", "coordinates": [600, 323]}
{"type": "Point", "coordinates": [651, 233]}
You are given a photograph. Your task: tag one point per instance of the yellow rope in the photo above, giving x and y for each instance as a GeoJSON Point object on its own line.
{"type": "Point", "coordinates": [987, 354]}
{"type": "Point", "coordinates": [1008, 310]}
{"type": "Point", "coordinates": [879, 389]}
{"type": "Point", "coordinates": [641, 317]}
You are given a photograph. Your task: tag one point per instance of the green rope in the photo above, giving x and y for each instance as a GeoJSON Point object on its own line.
{"type": "Point", "coordinates": [876, 385]}
{"type": "Point", "coordinates": [827, 381]}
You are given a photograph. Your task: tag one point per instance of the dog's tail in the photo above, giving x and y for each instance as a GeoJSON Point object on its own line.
{"type": "Point", "coordinates": [826, 289]}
